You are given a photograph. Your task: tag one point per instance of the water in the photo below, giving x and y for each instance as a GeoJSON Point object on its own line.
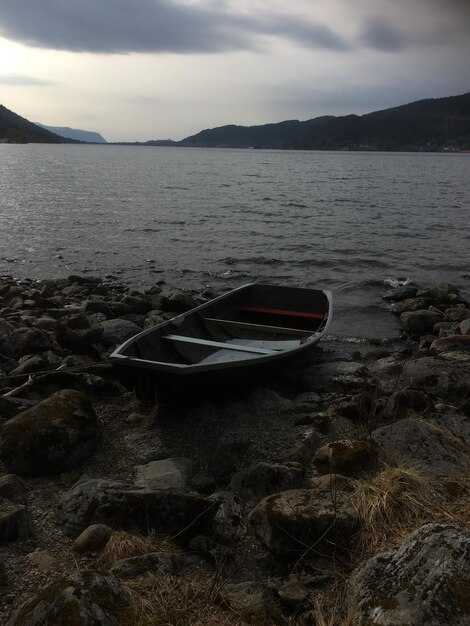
{"type": "Point", "coordinates": [221, 218]}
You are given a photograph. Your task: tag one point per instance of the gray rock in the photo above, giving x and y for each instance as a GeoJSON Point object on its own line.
{"type": "Point", "coordinates": [420, 322]}
{"type": "Point", "coordinates": [153, 318]}
{"type": "Point", "coordinates": [116, 331]}
{"type": "Point", "coordinates": [83, 599]}
{"type": "Point", "coordinates": [44, 561]}
{"type": "Point", "coordinates": [165, 474]}
{"type": "Point", "coordinates": [93, 539]}
{"type": "Point", "coordinates": [348, 457]}
{"type": "Point", "coordinates": [464, 327]}
{"type": "Point", "coordinates": [256, 599]}
{"type": "Point", "coordinates": [12, 488]}
{"type": "Point", "coordinates": [425, 581]}
{"type": "Point", "coordinates": [329, 376]}
{"type": "Point", "coordinates": [403, 401]}
{"type": "Point", "coordinates": [137, 304]}
{"type": "Point", "coordinates": [302, 521]}
{"type": "Point", "coordinates": [262, 479]}
{"type": "Point", "coordinates": [174, 300]}
{"type": "Point", "coordinates": [146, 447]}
{"type": "Point", "coordinates": [437, 377]}
{"type": "Point", "coordinates": [411, 304]}
{"type": "Point", "coordinates": [457, 314]}
{"type": "Point", "coordinates": [227, 526]}
{"type": "Point", "coordinates": [15, 521]}
{"type": "Point", "coordinates": [263, 399]}
{"type": "Point", "coordinates": [128, 507]}
{"type": "Point", "coordinates": [303, 451]}
{"type": "Point", "coordinates": [133, 567]}
{"type": "Point", "coordinates": [432, 450]}
{"type": "Point", "coordinates": [229, 452]}
{"type": "Point", "coordinates": [389, 366]}
{"type": "Point", "coordinates": [441, 292]}
{"type": "Point", "coordinates": [332, 483]}
{"type": "Point", "coordinates": [53, 436]}
{"type": "Point", "coordinates": [28, 341]}
{"type": "Point", "coordinates": [457, 425]}
{"type": "Point", "coordinates": [400, 293]}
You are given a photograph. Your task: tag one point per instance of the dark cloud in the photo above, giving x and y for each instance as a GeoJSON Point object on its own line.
{"type": "Point", "coordinates": [19, 80]}
{"type": "Point", "coordinates": [379, 34]}
{"type": "Point", "coordinates": [122, 26]}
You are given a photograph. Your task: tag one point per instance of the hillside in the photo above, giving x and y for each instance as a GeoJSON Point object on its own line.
{"type": "Point", "coordinates": [77, 134]}
{"type": "Point", "coordinates": [428, 125]}
{"type": "Point", "coordinates": [16, 129]}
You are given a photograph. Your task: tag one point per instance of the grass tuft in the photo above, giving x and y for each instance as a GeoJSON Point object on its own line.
{"type": "Point", "coordinates": [178, 601]}
{"type": "Point", "coordinates": [124, 545]}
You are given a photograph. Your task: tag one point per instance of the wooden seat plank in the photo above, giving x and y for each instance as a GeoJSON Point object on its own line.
{"type": "Point", "coordinates": [283, 312]}
{"type": "Point", "coordinates": [258, 327]}
{"type": "Point", "coordinates": [217, 344]}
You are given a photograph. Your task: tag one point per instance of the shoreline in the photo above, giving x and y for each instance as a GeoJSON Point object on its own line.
{"type": "Point", "coordinates": [218, 479]}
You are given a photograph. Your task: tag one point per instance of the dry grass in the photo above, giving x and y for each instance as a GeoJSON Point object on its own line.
{"type": "Point", "coordinates": [391, 504]}
{"type": "Point", "coordinates": [177, 601]}
{"type": "Point", "coordinates": [399, 500]}
{"type": "Point", "coordinates": [333, 616]}
{"type": "Point", "coordinates": [124, 545]}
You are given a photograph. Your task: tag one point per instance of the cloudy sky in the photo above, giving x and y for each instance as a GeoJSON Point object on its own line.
{"type": "Point", "coordinates": [156, 69]}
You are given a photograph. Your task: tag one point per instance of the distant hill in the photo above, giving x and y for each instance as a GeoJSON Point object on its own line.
{"type": "Point", "coordinates": [427, 125]}
{"type": "Point", "coordinates": [75, 133]}
{"type": "Point", "coordinates": [16, 129]}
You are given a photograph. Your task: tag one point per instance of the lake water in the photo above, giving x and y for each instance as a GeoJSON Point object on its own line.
{"type": "Point", "coordinates": [349, 222]}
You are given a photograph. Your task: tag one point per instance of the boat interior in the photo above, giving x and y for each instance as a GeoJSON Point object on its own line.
{"type": "Point", "coordinates": [254, 321]}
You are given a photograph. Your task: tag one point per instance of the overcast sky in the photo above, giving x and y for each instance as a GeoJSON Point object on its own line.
{"type": "Point", "coordinates": [157, 69]}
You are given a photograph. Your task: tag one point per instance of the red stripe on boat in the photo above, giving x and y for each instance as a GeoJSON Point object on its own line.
{"type": "Point", "coordinates": [265, 309]}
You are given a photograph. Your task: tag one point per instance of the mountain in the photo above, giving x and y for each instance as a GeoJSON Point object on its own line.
{"type": "Point", "coordinates": [16, 129]}
{"type": "Point", "coordinates": [441, 124]}
{"type": "Point", "coordinates": [87, 136]}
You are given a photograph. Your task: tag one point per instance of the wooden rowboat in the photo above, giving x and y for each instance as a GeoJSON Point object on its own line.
{"type": "Point", "coordinates": [238, 337]}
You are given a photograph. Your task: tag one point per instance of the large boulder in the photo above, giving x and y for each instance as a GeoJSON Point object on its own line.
{"type": "Point", "coordinates": [262, 479]}
{"type": "Point", "coordinates": [398, 294]}
{"type": "Point", "coordinates": [15, 521]}
{"type": "Point", "coordinates": [174, 300]}
{"type": "Point", "coordinates": [302, 521]}
{"type": "Point", "coordinates": [53, 436]}
{"type": "Point", "coordinates": [117, 331]}
{"type": "Point", "coordinates": [349, 457]}
{"type": "Point", "coordinates": [430, 448]}
{"type": "Point", "coordinates": [171, 474]}
{"type": "Point", "coordinates": [454, 343]}
{"type": "Point", "coordinates": [83, 599]}
{"type": "Point", "coordinates": [437, 377]}
{"type": "Point", "coordinates": [420, 322]}
{"type": "Point", "coordinates": [133, 508]}
{"type": "Point", "coordinates": [425, 581]}
{"type": "Point", "coordinates": [27, 341]}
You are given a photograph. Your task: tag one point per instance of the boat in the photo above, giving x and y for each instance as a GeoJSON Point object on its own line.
{"type": "Point", "coordinates": [235, 339]}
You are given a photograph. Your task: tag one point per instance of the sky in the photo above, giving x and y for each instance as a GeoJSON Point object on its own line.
{"type": "Point", "coordinates": [136, 70]}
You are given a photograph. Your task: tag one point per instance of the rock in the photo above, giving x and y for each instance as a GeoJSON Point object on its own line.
{"type": "Point", "coordinates": [356, 407]}
{"type": "Point", "coordinates": [53, 436]}
{"type": "Point", "coordinates": [128, 507]}
{"type": "Point", "coordinates": [153, 318]}
{"type": "Point", "coordinates": [117, 331]}
{"type": "Point", "coordinates": [303, 451]}
{"type": "Point", "coordinates": [457, 314]}
{"type": "Point", "coordinates": [227, 525]}
{"type": "Point", "coordinates": [343, 375]}
{"type": "Point", "coordinates": [430, 449]}
{"type": "Point", "coordinates": [420, 322]}
{"type": "Point", "coordinates": [93, 539]}
{"type": "Point", "coordinates": [436, 377]}
{"type": "Point", "coordinates": [44, 561]}
{"type": "Point", "coordinates": [347, 457]}
{"type": "Point", "coordinates": [267, 400]}
{"type": "Point", "coordinates": [174, 300]}
{"type": "Point", "coordinates": [12, 488]}
{"type": "Point", "coordinates": [441, 292]}
{"type": "Point", "coordinates": [425, 581]}
{"type": "Point", "coordinates": [27, 341]}
{"type": "Point", "coordinates": [165, 474]}
{"type": "Point", "coordinates": [293, 592]}
{"type": "Point", "coordinates": [409, 305]}
{"type": "Point", "coordinates": [83, 599]}
{"type": "Point", "coordinates": [9, 407]}
{"type": "Point", "coordinates": [157, 562]}
{"type": "Point", "coordinates": [79, 340]}
{"type": "Point", "coordinates": [28, 366]}
{"type": "Point", "coordinates": [400, 293]}
{"type": "Point", "coordinates": [256, 601]}
{"type": "Point", "coordinates": [262, 479]}
{"type": "Point", "coordinates": [332, 483]}
{"type": "Point", "coordinates": [464, 327]}
{"type": "Point", "coordinates": [455, 343]}
{"type": "Point", "coordinates": [403, 401]}
{"type": "Point", "coordinates": [15, 521]}
{"type": "Point", "coordinates": [146, 447]}
{"type": "Point", "coordinates": [457, 425]}
{"type": "Point", "coordinates": [389, 366]}
{"type": "Point", "coordinates": [292, 523]}
{"type": "Point", "coordinates": [228, 454]}
{"type": "Point", "coordinates": [202, 482]}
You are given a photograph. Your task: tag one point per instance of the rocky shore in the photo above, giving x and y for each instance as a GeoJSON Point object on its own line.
{"type": "Point", "coordinates": [338, 494]}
